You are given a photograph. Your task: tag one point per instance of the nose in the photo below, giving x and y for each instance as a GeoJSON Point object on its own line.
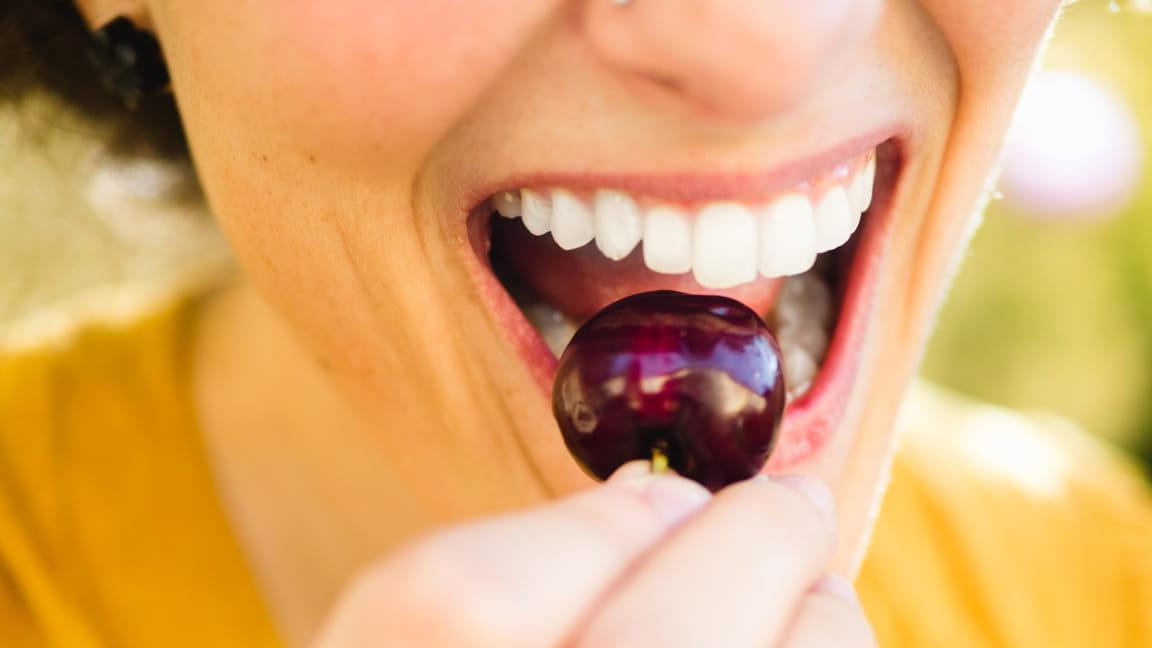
{"type": "Point", "coordinates": [735, 59]}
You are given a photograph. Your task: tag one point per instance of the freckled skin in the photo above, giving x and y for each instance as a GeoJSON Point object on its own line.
{"type": "Point", "coordinates": [334, 139]}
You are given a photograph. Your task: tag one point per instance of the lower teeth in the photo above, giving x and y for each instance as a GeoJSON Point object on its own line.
{"type": "Point", "coordinates": [555, 327]}
{"type": "Point", "coordinates": [801, 321]}
{"type": "Point", "coordinates": [803, 325]}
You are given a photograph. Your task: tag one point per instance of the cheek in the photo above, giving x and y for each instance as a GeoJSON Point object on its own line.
{"type": "Point", "coordinates": [309, 120]}
{"type": "Point", "coordinates": [992, 39]}
{"type": "Point", "coordinates": [994, 46]}
{"type": "Point", "coordinates": [349, 81]}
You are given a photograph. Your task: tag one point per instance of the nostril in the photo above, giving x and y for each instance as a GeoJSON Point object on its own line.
{"type": "Point", "coordinates": [735, 59]}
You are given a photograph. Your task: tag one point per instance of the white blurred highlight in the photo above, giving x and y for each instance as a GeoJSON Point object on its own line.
{"type": "Point", "coordinates": [1074, 150]}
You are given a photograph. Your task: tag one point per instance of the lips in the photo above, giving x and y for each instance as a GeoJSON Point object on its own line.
{"type": "Point", "coordinates": [555, 250]}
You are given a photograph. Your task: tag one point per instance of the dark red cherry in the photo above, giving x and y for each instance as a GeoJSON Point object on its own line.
{"type": "Point", "coordinates": [697, 377]}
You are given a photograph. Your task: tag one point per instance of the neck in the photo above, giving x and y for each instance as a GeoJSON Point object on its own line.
{"type": "Point", "coordinates": [293, 464]}
{"type": "Point", "coordinates": [305, 478]}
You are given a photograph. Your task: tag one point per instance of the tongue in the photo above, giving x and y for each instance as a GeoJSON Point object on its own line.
{"type": "Point", "coordinates": [582, 281]}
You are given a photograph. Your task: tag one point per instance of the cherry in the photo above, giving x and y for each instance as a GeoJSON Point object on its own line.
{"type": "Point", "coordinates": [693, 380]}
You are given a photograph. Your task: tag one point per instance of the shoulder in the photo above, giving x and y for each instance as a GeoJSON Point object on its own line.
{"type": "Point", "coordinates": [109, 520]}
{"type": "Point", "coordinates": [1010, 529]}
{"type": "Point", "coordinates": [70, 390]}
{"type": "Point", "coordinates": [66, 392]}
{"type": "Point", "coordinates": [55, 370]}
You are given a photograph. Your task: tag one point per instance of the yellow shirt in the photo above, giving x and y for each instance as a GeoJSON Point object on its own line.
{"type": "Point", "coordinates": [998, 529]}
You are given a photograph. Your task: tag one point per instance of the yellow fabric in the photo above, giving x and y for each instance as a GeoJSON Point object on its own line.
{"type": "Point", "coordinates": [998, 530]}
{"type": "Point", "coordinates": [110, 530]}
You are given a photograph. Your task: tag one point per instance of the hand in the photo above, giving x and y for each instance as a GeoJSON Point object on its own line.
{"type": "Point", "coordinates": [641, 560]}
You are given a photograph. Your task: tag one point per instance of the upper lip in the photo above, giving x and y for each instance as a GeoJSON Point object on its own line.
{"type": "Point", "coordinates": [688, 187]}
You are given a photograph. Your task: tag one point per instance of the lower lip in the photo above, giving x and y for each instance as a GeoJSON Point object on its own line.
{"type": "Point", "coordinates": [808, 421]}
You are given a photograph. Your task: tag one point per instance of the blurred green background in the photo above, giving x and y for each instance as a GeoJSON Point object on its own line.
{"type": "Point", "coordinates": [1054, 312]}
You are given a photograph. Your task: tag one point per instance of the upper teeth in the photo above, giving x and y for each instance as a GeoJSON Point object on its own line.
{"type": "Point", "coordinates": [723, 243]}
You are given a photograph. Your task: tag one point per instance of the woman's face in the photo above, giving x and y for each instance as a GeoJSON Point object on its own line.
{"type": "Point", "coordinates": [349, 149]}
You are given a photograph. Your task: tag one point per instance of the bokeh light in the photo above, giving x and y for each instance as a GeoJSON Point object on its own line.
{"type": "Point", "coordinates": [1074, 149]}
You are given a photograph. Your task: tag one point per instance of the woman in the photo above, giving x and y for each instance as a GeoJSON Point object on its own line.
{"type": "Point", "coordinates": [351, 444]}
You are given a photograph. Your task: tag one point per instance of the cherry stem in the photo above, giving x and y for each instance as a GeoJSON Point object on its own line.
{"type": "Point", "coordinates": [659, 458]}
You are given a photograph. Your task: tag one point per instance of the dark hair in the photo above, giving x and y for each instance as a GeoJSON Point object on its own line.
{"type": "Point", "coordinates": [44, 49]}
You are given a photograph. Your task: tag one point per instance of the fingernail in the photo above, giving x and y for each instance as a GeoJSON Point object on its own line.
{"type": "Point", "coordinates": [838, 586]}
{"type": "Point", "coordinates": [631, 470]}
{"type": "Point", "coordinates": [674, 498]}
{"type": "Point", "coordinates": [814, 489]}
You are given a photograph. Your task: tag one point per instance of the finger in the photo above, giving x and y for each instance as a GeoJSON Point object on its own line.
{"type": "Point", "coordinates": [830, 616]}
{"type": "Point", "coordinates": [730, 576]}
{"type": "Point", "coordinates": [524, 579]}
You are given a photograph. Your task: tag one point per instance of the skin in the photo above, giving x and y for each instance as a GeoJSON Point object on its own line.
{"type": "Point", "coordinates": [356, 392]}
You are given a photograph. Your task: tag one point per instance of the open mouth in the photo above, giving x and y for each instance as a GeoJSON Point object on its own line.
{"type": "Point", "coordinates": [805, 254]}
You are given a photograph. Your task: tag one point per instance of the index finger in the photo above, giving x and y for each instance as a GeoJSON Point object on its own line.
{"type": "Point", "coordinates": [733, 575]}
{"type": "Point", "coordinates": [524, 579]}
